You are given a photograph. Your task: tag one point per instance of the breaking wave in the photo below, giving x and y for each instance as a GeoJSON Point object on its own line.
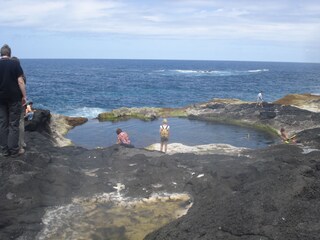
{"type": "Point", "coordinates": [87, 112]}
{"type": "Point", "coordinates": [212, 72]}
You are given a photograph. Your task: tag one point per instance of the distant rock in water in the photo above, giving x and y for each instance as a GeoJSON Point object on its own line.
{"type": "Point", "coordinates": [145, 113]}
{"type": "Point", "coordinates": [75, 121]}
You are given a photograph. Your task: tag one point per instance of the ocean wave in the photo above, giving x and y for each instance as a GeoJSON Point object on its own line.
{"type": "Point", "coordinates": [187, 71]}
{"type": "Point", "coordinates": [212, 72]}
{"type": "Point", "coordinates": [258, 70]}
{"type": "Point", "coordinates": [87, 112]}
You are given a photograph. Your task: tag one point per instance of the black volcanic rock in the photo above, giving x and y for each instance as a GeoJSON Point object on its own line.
{"type": "Point", "coordinates": [274, 194]}
{"type": "Point", "coordinates": [271, 193]}
{"type": "Point", "coordinates": [310, 137]}
{"type": "Point", "coordinates": [271, 116]}
{"type": "Point", "coordinates": [39, 122]}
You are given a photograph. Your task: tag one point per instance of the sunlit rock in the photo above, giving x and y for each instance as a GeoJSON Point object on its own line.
{"type": "Point", "coordinates": [199, 149]}
{"type": "Point", "coordinates": [304, 101]}
{"type": "Point", "coordinates": [60, 125]}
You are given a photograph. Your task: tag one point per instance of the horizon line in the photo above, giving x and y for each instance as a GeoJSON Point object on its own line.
{"type": "Point", "coordinates": [163, 59]}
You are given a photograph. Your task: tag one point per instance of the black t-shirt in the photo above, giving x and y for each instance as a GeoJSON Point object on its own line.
{"type": "Point", "coordinates": [10, 71]}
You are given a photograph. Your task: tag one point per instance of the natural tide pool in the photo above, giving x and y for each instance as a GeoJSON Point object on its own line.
{"type": "Point", "coordinates": [110, 216]}
{"type": "Point", "coordinates": [182, 130]}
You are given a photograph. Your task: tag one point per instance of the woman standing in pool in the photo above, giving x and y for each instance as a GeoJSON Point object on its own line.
{"type": "Point", "coordinates": [164, 135]}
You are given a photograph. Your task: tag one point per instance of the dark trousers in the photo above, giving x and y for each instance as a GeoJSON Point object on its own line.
{"type": "Point", "coordinates": [127, 145]}
{"type": "Point", "coordinates": [9, 126]}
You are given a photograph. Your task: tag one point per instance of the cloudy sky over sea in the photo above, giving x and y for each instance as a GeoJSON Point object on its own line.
{"type": "Point", "coordinates": [273, 30]}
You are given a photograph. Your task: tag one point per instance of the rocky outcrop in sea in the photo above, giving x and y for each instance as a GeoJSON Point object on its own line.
{"type": "Point", "coordinates": [270, 193]}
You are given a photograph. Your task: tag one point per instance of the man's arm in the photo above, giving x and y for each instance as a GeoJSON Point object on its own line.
{"type": "Point", "coordinates": [22, 87]}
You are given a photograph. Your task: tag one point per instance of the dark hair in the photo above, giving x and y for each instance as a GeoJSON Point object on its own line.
{"type": "Point", "coordinates": [119, 130]}
{"type": "Point", "coordinates": [15, 59]}
{"type": "Point", "coordinates": [5, 50]}
{"type": "Point", "coordinates": [282, 130]}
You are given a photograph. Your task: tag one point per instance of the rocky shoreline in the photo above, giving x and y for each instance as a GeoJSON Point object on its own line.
{"type": "Point", "coordinates": [271, 193]}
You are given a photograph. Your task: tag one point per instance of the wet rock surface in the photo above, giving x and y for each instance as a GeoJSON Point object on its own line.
{"type": "Point", "coordinates": [271, 193]}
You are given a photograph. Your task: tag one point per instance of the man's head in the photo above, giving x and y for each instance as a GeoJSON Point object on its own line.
{"type": "Point", "coordinates": [15, 59]}
{"type": "Point", "coordinates": [6, 50]}
{"type": "Point", "coordinates": [118, 131]}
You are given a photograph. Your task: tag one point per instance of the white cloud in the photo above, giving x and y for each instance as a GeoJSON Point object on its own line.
{"type": "Point", "coordinates": [270, 20]}
{"type": "Point", "coordinates": [23, 13]}
{"type": "Point", "coordinates": [154, 18]}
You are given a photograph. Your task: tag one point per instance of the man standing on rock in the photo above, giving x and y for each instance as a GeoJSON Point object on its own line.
{"type": "Point", "coordinates": [259, 100]}
{"type": "Point", "coordinates": [12, 98]}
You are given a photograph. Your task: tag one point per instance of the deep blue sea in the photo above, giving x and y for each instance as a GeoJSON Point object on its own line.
{"type": "Point", "coordinates": [89, 87]}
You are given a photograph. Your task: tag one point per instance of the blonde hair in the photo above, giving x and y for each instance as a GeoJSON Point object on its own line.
{"type": "Point", "coordinates": [164, 120]}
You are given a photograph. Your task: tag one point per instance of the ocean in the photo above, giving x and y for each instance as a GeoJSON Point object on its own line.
{"type": "Point", "coordinates": [88, 87]}
{"type": "Point", "coordinates": [79, 87]}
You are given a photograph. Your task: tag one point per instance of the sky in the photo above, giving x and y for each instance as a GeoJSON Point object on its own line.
{"type": "Point", "coordinates": [240, 30]}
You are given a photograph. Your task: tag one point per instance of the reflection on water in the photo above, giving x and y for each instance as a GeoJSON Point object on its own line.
{"type": "Point", "coordinates": [188, 132]}
{"type": "Point", "coordinates": [109, 216]}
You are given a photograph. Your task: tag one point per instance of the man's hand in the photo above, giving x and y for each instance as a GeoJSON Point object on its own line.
{"type": "Point", "coordinates": [24, 101]}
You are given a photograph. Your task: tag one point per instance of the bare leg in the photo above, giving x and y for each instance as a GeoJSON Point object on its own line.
{"type": "Point", "coordinates": [165, 147]}
{"type": "Point", "coordinates": [161, 146]}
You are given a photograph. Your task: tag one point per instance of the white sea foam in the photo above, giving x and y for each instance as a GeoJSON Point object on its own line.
{"type": "Point", "coordinates": [218, 72]}
{"type": "Point", "coordinates": [198, 71]}
{"type": "Point", "coordinates": [56, 218]}
{"type": "Point", "coordinates": [186, 71]}
{"type": "Point", "coordinates": [258, 70]}
{"type": "Point", "coordinates": [85, 112]}
{"type": "Point", "coordinates": [307, 150]}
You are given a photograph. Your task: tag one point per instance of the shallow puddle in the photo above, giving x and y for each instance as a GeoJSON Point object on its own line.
{"type": "Point", "coordinates": [109, 216]}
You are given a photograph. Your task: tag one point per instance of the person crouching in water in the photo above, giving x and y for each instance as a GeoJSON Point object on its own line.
{"type": "Point", "coordinates": [285, 138]}
{"type": "Point", "coordinates": [164, 135]}
{"type": "Point", "coordinates": [29, 111]}
{"type": "Point", "coordinates": [123, 138]}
